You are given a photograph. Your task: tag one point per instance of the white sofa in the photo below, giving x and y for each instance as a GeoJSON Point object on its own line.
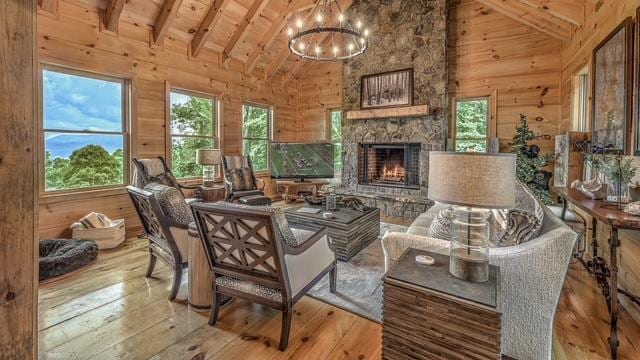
{"type": "Point", "coordinates": [531, 279]}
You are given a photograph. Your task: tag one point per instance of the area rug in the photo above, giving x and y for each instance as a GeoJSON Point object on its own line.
{"type": "Point", "coordinates": [359, 288]}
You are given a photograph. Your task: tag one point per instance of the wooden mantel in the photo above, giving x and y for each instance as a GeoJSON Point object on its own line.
{"type": "Point", "coordinates": [406, 111]}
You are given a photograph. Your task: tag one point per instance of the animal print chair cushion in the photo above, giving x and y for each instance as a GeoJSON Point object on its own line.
{"type": "Point", "coordinates": [172, 203]}
{"type": "Point", "coordinates": [241, 179]}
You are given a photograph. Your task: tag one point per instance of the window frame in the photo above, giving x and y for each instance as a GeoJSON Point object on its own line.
{"type": "Point", "coordinates": [491, 114]}
{"type": "Point", "coordinates": [216, 127]}
{"type": "Point", "coordinates": [269, 137]}
{"type": "Point", "coordinates": [125, 133]}
{"type": "Point", "coordinates": [580, 100]}
{"type": "Point", "coordinates": [329, 135]}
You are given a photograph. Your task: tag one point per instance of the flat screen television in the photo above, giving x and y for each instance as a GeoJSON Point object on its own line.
{"type": "Point", "coordinates": [301, 161]}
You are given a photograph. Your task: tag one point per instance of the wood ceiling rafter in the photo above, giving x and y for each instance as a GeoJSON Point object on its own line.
{"type": "Point", "coordinates": [112, 14]}
{"type": "Point", "coordinates": [48, 5]}
{"type": "Point", "coordinates": [272, 33]}
{"type": "Point", "coordinates": [208, 23]}
{"type": "Point", "coordinates": [164, 20]}
{"type": "Point", "coordinates": [255, 10]}
{"type": "Point", "coordinates": [533, 17]}
{"type": "Point", "coordinates": [571, 11]}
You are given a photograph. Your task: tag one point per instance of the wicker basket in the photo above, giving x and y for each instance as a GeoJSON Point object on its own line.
{"type": "Point", "coordinates": [106, 238]}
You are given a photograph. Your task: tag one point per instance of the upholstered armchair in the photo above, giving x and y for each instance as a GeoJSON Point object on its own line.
{"type": "Point", "coordinates": [165, 217]}
{"type": "Point", "coordinates": [155, 170]}
{"type": "Point", "coordinates": [239, 178]}
{"type": "Point", "coordinates": [531, 279]}
{"type": "Point", "coordinates": [254, 255]}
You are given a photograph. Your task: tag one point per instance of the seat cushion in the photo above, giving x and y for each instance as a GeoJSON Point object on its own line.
{"type": "Point", "coordinates": [250, 287]}
{"type": "Point", "coordinates": [172, 203]}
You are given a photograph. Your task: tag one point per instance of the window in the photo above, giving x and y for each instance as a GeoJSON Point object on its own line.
{"type": "Point", "coordinates": [84, 125]}
{"type": "Point", "coordinates": [336, 139]}
{"type": "Point", "coordinates": [193, 126]}
{"type": "Point", "coordinates": [580, 108]}
{"type": "Point", "coordinates": [256, 135]}
{"type": "Point", "coordinates": [472, 125]}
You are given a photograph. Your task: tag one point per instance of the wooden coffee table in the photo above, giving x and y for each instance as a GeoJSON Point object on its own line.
{"type": "Point", "coordinates": [350, 230]}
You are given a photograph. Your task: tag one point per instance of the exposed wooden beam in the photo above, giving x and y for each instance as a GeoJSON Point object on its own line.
{"type": "Point", "coordinates": [164, 20]}
{"type": "Point", "coordinates": [48, 5]}
{"type": "Point", "coordinates": [571, 11]}
{"type": "Point", "coordinates": [532, 17]}
{"type": "Point", "coordinates": [112, 14]}
{"type": "Point", "coordinates": [208, 23]}
{"type": "Point", "coordinates": [272, 33]}
{"type": "Point", "coordinates": [249, 17]}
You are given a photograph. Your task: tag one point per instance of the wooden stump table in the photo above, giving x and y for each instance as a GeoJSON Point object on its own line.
{"type": "Point", "coordinates": [200, 280]}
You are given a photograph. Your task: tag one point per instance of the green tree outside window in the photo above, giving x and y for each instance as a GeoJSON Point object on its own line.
{"type": "Point", "coordinates": [472, 125]}
{"type": "Point", "coordinates": [256, 138]}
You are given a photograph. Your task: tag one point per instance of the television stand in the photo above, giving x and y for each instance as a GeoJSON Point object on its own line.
{"type": "Point", "coordinates": [289, 189]}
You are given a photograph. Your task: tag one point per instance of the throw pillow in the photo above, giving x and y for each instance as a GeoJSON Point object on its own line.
{"type": "Point", "coordinates": [241, 179]}
{"type": "Point", "coordinates": [441, 226]}
{"type": "Point", "coordinates": [172, 203]}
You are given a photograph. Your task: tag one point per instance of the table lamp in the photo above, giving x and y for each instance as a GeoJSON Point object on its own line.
{"type": "Point", "coordinates": [209, 159]}
{"type": "Point", "coordinates": [474, 183]}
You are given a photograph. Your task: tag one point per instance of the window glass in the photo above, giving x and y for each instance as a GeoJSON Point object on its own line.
{"type": "Point", "coordinates": [84, 122]}
{"type": "Point", "coordinates": [256, 139]}
{"type": "Point", "coordinates": [472, 125]}
{"type": "Point", "coordinates": [193, 126]}
{"type": "Point", "coordinates": [336, 139]}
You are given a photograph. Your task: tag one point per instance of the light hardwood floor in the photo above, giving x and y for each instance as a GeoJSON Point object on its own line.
{"type": "Point", "coordinates": [110, 310]}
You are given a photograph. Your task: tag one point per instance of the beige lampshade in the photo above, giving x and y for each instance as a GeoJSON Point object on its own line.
{"type": "Point", "coordinates": [473, 179]}
{"type": "Point", "coordinates": [208, 157]}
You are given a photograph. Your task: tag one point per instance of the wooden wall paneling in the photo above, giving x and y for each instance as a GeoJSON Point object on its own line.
{"type": "Point", "coordinates": [18, 181]}
{"type": "Point", "coordinates": [165, 18]}
{"type": "Point", "coordinates": [319, 90]}
{"type": "Point", "coordinates": [48, 5]}
{"type": "Point", "coordinates": [571, 11]}
{"type": "Point", "coordinates": [600, 19]}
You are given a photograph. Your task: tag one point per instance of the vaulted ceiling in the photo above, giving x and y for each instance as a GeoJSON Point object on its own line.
{"type": "Point", "coordinates": [253, 31]}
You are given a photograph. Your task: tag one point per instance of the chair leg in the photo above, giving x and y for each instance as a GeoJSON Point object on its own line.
{"type": "Point", "coordinates": [333, 278]}
{"type": "Point", "coordinates": [152, 264]}
{"type": "Point", "coordinates": [177, 280]}
{"type": "Point", "coordinates": [215, 308]}
{"type": "Point", "coordinates": [286, 327]}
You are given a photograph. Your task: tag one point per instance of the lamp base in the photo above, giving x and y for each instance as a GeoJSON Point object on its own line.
{"type": "Point", "coordinates": [468, 267]}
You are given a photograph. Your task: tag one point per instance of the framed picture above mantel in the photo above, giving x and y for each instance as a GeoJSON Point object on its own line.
{"type": "Point", "coordinates": [387, 90]}
{"type": "Point", "coordinates": [611, 84]}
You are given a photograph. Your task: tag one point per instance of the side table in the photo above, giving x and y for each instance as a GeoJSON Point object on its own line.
{"type": "Point", "coordinates": [211, 193]}
{"type": "Point", "coordinates": [429, 314]}
{"type": "Point", "coordinates": [292, 187]}
{"type": "Point", "coordinates": [200, 279]}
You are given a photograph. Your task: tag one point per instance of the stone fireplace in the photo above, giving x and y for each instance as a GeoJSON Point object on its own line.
{"type": "Point", "coordinates": [390, 165]}
{"type": "Point", "coordinates": [404, 34]}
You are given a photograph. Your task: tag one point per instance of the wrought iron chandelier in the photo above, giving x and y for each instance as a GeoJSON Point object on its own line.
{"type": "Point", "coordinates": [323, 40]}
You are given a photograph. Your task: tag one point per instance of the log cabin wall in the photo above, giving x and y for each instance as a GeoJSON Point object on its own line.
{"type": "Point", "coordinates": [600, 19]}
{"type": "Point", "coordinates": [73, 36]}
{"type": "Point", "coordinates": [490, 53]}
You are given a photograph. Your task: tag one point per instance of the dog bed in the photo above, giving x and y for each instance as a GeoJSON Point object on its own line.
{"type": "Point", "coordinates": [59, 257]}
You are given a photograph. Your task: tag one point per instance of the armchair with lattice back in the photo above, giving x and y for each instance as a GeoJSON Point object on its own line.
{"type": "Point", "coordinates": [254, 255]}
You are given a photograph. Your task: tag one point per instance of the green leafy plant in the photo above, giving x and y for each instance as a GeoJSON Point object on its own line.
{"type": "Point", "coordinates": [607, 165]}
{"type": "Point", "coordinates": [529, 161]}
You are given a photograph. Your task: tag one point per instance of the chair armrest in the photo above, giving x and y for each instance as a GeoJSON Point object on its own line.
{"type": "Point", "coordinates": [321, 233]}
{"type": "Point", "coordinates": [261, 182]}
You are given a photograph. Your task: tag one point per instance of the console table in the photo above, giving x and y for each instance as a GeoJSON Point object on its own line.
{"type": "Point", "coordinates": [291, 188]}
{"type": "Point", "coordinates": [430, 314]}
{"type": "Point", "coordinates": [606, 276]}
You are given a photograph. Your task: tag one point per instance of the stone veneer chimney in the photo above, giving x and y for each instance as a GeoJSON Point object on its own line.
{"type": "Point", "coordinates": [405, 34]}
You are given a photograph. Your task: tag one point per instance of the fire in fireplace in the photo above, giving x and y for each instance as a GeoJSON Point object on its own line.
{"type": "Point", "coordinates": [395, 165]}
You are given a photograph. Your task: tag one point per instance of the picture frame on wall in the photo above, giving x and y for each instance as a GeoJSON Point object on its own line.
{"type": "Point", "coordinates": [611, 87]}
{"type": "Point", "coordinates": [387, 90]}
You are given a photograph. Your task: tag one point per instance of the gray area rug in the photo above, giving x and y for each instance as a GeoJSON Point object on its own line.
{"type": "Point", "coordinates": [359, 288]}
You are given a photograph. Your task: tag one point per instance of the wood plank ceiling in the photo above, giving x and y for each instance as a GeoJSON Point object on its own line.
{"type": "Point", "coordinates": [253, 31]}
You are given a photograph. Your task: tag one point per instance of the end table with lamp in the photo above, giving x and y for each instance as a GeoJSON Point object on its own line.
{"type": "Point", "coordinates": [209, 159]}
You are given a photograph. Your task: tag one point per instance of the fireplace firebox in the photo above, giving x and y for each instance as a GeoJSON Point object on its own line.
{"type": "Point", "coordinates": [393, 165]}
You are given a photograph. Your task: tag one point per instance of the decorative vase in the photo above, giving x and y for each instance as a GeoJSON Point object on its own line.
{"type": "Point", "coordinates": [617, 190]}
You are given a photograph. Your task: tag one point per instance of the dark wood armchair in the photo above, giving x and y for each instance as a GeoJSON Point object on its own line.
{"type": "Point", "coordinates": [254, 255]}
{"type": "Point", "coordinates": [239, 178]}
{"type": "Point", "coordinates": [155, 170]}
{"type": "Point", "coordinates": [168, 239]}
